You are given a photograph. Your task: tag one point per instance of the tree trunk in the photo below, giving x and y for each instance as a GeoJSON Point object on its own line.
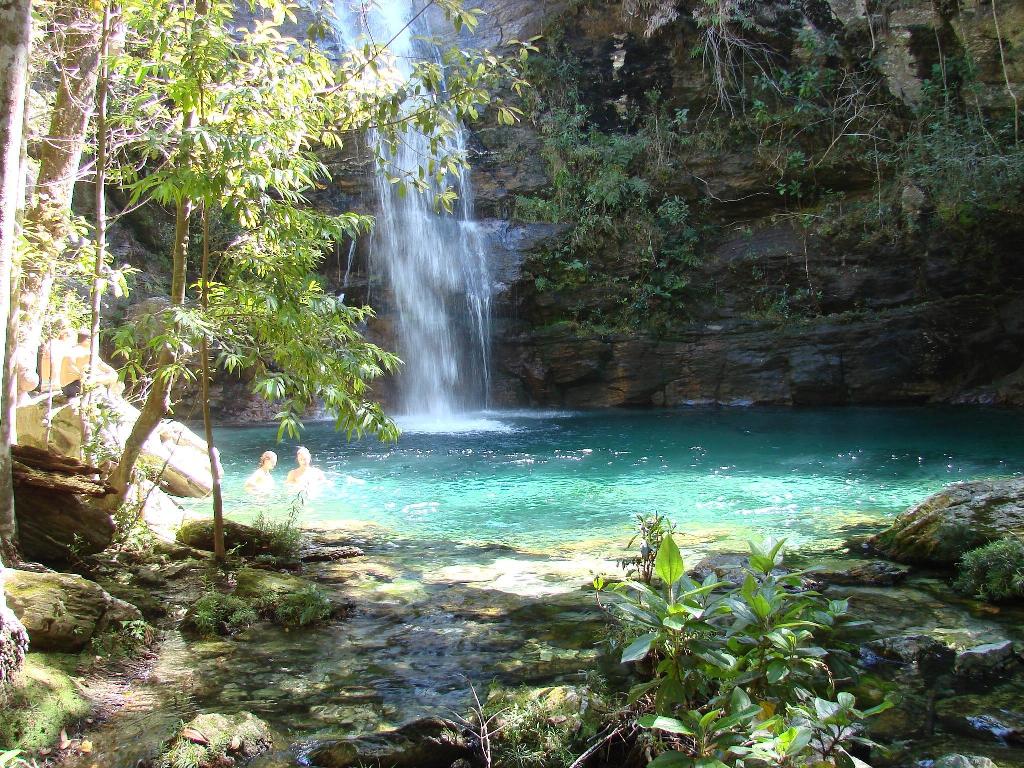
{"type": "Point", "coordinates": [79, 32]}
{"type": "Point", "coordinates": [204, 352]}
{"type": "Point", "coordinates": [158, 402]}
{"type": "Point", "coordinates": [99, 266]}
{"type": "Point", "coordinates": [15, 34]}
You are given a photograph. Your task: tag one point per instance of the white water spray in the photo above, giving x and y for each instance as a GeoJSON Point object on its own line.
{"type": "Point", "coordinates": [435, 263]}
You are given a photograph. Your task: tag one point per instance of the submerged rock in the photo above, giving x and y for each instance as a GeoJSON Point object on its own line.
{"type": "Point", "coordinates": [931, 656]}
{"type": "Point", "coordinates": [947, 525]}
{"type": "Point", "coordinates": [988, 660]}
{"type": "Point", "coordinates": [64, 612]}
{"type": "Point", "coordinates": [997, 716]}
{"type": "Point", "coordinates": [426, 743]}
{"type": "Point", "coordinates": [215, 740]}
{"type": "Point", "coordinates": [247, 540]}
{"type": "Point", "coordinates": [963, 761]}
{"type": "Point", "coordinates": [877, 573]}
{"type": "Point", "coordinates": [329, 554]}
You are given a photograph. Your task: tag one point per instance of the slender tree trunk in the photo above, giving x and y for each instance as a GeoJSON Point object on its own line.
{"type": "Point", "coordinates": [204, 352]}
{"type": "Point", "coordinates": [79, 32]}
{"type": "Point", "coordinates": [15, 35]}
{"type": "Point", "coordinates": [100, 190]}
{"type": "Point", "coordinates": [158, 402]}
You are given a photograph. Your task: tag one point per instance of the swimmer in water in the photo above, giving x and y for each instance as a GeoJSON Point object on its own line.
{"type": "Point", "coordinates": [305, 476]}
{"type": "Point", "coordinates": [260, 481]}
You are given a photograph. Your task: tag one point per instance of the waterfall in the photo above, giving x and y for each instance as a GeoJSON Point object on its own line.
{"type": "Point", "coordinates": [434, 262]}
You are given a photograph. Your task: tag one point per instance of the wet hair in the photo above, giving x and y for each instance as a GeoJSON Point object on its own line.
{"type": "Point", "coordinates": [83, 336]}
{"type": "Point", "coordinates": [267, 456]}
{"type": "Point", "coordinates": [304, 450]}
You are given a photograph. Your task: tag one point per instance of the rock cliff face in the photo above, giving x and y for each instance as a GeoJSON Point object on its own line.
{"type": "Point", "coordinates": [831, 243]}
{"type": "Point", "coordinates": [916, 308]}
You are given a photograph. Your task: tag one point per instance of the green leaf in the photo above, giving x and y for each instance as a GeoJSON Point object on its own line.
{"type": "Point", "coordinates": [776, 671]}
{"type": "Point", "coordinates": [667, 724]}
{"type": "Point", "coordinates": [639, 648]}
{"type": "Point", "coordinates": [668, 565]}
{"type": "Point", "coordinates": [671, 760]}
{"type": "Point", "coordinates": [637, 691]}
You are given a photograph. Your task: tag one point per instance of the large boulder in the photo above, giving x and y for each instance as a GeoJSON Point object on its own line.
{"type": "Point", "coordinates": [427, 743]}
{"type": "Point", "coordinates": [957, 519]}
{"type": "Point", "coordinates": [248, 541]}
{"type": "Point", "coordinates": [177, 451]}
{"type": "Point", "coordinates": [51, 524]}
{"type": "Point", "coordinates": [63, 612]}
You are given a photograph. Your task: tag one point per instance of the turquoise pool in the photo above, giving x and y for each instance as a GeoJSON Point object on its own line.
{"type": "Point", "coordinates": [541, 479]}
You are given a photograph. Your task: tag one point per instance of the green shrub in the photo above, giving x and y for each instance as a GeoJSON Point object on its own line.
{"type": "Point", "coordinates": [284, 538]}
{"type": "Point", "coordinates": [216, 614]}
{"type": "Point", "coordinates": [298, 609]}
{"type": "Point", "coordinates": [995, 571]}
{"type": "Point", "coordinates": [126, 640]}
{"type": "Point", "coordinates": [735, 671]}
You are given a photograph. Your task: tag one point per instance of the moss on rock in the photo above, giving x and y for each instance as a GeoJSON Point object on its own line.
{"type": "Point", "coordinates": [214, 740]}
{"type": "Point", "coordinates": [64, 612]}
{"type": "Point", "coordinates": [962, 517]}
{"type": "Point", "coordinates": [245, 539]}
{"type": "Point", "coordinates": [46, 700]}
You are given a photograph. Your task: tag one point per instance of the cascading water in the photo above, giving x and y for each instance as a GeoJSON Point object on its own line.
{"type": "Point", "coordinates": [435, 262]}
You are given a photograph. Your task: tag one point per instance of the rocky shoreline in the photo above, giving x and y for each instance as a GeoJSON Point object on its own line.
{"type": "Point", "coordinates": [406, 617]}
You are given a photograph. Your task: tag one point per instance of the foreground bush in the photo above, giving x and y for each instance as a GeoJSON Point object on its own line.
{"type": "Point", "coordinates": [995, 571]}
{"type": "Point", "coordinates": [734, 673]}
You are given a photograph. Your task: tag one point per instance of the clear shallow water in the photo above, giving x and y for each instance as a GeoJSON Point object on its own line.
{"type": "Point", "coordinates": [533, 480]}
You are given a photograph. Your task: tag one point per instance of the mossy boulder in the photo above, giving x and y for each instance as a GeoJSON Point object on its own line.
{"type": "Point", "coordinates": [45, 700]}
{"type": "Point", "coordinates": [215, 740]}
{"type": "Point", "coordinates": [244, 539]}
{"type": "Point", "coordinates": [255, 583]}
{"type": "Point", "coordinates": [957, 519]}
{"type": "Point", "coordinates": [63, 612]}
{"type": "Point", "coordinates": [427, 743]}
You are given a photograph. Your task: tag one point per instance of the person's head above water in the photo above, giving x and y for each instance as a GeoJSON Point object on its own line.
{"type": "Point", "coordinates": [268, 460]}
{"type": "Point", "coordinates": [303, 457]}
